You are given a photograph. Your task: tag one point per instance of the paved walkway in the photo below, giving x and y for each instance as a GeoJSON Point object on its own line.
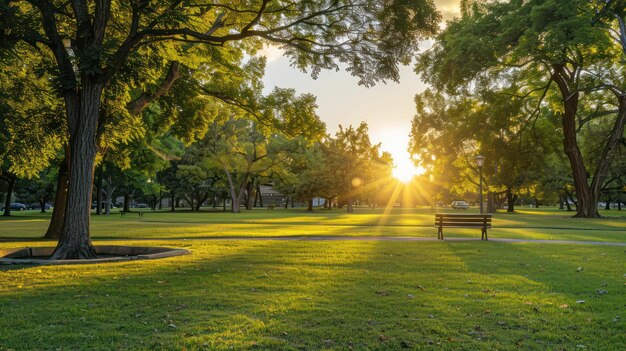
{"type": "Point", "coordinates": [348, 238]}
{"type": "Point", "coordinates": [386, 238]}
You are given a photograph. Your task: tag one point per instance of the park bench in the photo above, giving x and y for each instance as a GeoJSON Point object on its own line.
{"type": "Point", "coordinates": [123, 213]}
{"type": "Point", "coordinates": [270, 207]}
{"type": "Point", "coordinates": [458, 220]}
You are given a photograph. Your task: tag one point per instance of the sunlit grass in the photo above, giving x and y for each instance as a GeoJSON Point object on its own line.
{"type": "Point", "coordinates": [318, 295]}
{"type": "Point", "coordinates": [548, 224]}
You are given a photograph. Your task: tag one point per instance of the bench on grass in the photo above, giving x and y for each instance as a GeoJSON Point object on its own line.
{"type": "Point", "coordinates": [459, 220]}
{"type": "Point", "coordinates": [123, 213]}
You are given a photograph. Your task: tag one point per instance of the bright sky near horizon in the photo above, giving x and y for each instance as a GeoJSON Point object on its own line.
{"type": "Point", "coordinates": [387, 108]}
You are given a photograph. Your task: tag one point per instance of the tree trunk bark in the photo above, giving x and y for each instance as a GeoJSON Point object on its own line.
{"type": "Point", "coordinates": [510, 198]}
{"type": "Point", "coordinates": [310, 207]}
{"type": "Point", "coordinates": [491, 202]}
{"type": "Point", "coordinates": [586, 204]}
{"type": "Point", "coordinates": [99, 191]}
{"type": "Point", "coordinates": [233, 196]}
{"type": "Point", "coordinates": [60, 200]}
{"type": "Point", "coordinates": [608, 204]}
{"type": "Point", "coordinates": [10, 179]}
{"type": "Point", "coordinates": [257, 194]}
{"type": "Point", "coordinates": [350, 207]}
{"type": "Point", "coordinates": [126, 202]}
{"type": "Point", "coordinates": [82, 111]}
{"type": "Point", "coordinates": [569, 198]}
{"type": "Point", "coordinates": [248, 193]}
{"type": "Point", "coordinates": [172, 202]}
{"type": "Point", "coordinates": [42, 204]}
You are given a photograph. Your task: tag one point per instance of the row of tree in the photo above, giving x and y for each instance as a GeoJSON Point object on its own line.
{"type": "Point", "coordinates": [89, 77]}
{"type": "Point", "coordinates": [537, 87]}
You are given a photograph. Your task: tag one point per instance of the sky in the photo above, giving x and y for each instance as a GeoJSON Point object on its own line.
{"type": "Point", "coordinates": [387, 108]}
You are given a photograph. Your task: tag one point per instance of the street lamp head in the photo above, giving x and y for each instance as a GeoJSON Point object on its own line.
{"type": "Point", "coordinates": [479, 161]}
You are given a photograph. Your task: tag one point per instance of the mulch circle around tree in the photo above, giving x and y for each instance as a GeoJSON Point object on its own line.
{"type": "Point", "coordinates": [106, 254]}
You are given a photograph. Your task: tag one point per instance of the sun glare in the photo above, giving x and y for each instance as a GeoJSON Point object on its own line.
{"type": "Point", "coordinates": [405, 171]}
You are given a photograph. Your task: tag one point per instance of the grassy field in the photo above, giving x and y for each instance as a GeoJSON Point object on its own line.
{"type": "Point", "coordinates": [301, 295]}
{"type": "Point", "coordinates": [548, 223]}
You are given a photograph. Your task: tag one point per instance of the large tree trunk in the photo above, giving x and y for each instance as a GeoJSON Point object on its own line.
{"type": "Point", "coordinates": [172, 201]}
{"type": "Point", "coordinates": [82, 111]}
{"type": "Point", "coordinates": [310, 207]}
{"type": "Point", "coordinates": [10, 179]}
{"type": "Point", "coordinates": [587, 197]}
{"type": "Point", "coordinates": [350, 207]}
{"type": "Point", "coordinates": [60, 200]}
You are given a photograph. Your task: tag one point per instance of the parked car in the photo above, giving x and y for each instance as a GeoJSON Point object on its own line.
{"type": "Point", "coordinates": [16, 206]}
{"type": "Point", "coordinates": [141, 205]}
{"type": "Point", "coordinates": [37, 206]}
{"type": "Point", "coordinates": [460, 205]}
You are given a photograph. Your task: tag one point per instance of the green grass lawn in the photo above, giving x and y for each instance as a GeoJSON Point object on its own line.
{"type": "Point", "coordinates": [301, 295]}
{"type": "Point", "coordinates": [548, 223]}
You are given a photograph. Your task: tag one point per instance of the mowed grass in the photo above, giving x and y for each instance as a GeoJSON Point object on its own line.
{"type": "Point", "coordinates": [309, 295]}
{"type": "Point", "coordinates": [526, 223]}
{"type": "Point", "coordinates": [324, 295]}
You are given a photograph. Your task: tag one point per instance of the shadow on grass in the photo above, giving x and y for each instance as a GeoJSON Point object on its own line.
{"type": "Point", "coordinates": [303, 295]}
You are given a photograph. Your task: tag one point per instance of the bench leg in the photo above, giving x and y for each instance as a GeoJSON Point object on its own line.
{"type": "Point", "coordinates": [440, 233]}
{"type": "Point", "coordinates": [483, 235]}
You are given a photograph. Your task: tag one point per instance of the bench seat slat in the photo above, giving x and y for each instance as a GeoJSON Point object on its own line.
{"type": "Point", "coordinates": [462, 215]}
{"type": "Point", "coordinates": [464, 219]}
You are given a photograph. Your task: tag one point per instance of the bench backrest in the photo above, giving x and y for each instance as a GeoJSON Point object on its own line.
{"type": "Point", "coordinates": [462, 220]}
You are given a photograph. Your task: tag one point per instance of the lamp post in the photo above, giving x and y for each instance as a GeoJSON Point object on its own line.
{"type": "Point", "coordinates": [479, 162]}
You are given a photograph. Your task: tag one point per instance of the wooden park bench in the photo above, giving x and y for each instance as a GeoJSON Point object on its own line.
{"type": "Point", "coordinates": [270, 207]}
{"type": "Point", "coordinates": [123, 213]}
{"type": "Point", "coordinates": [459, 220]}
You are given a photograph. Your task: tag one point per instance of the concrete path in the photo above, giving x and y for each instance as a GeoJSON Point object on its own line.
{"type": "Point", "coordinates": [386, 238]}
{"type": "Point", "coordinates": [346, 238]}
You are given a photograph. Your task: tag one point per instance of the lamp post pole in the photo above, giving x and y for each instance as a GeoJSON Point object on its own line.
{"type": "Point", "coordinates": [479, 163]}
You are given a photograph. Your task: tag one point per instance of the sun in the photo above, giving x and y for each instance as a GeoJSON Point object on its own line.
{"type": "Point", "coordinates": [405, 171]}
